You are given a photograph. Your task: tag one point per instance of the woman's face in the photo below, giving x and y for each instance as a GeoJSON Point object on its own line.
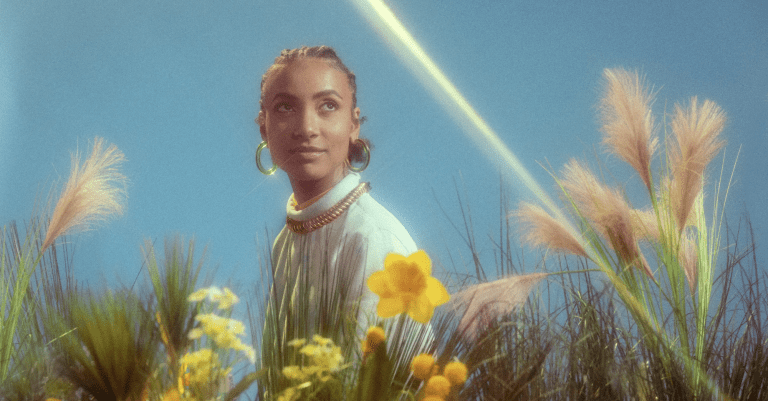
{"type": "Point", "coordinates": [308, 121]}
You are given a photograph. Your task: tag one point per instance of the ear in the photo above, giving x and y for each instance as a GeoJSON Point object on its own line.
{"type": "Point", "coordinates": [262, 125]}
{"type": "Point", "coordinates": [355, 125]}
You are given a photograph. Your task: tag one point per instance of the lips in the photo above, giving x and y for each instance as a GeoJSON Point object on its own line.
{"type": "Point", "coordinates": [307, 152]}
{"type": "Point", "coordinates": [307, 149]}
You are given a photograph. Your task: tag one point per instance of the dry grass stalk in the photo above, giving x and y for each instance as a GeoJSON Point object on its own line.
{"type": "Point", "coordinates": [93, 192]}
{"type": "Point", "coordinates": [485, 302]}
{"type": "Point", "coordinates": [542, 230]}
{"type": "Point", "coordinates": [628, 123]}
{"type": "Point", "coordinates": [609, 213]}
{"type": "Point", "coordinates": [697, 131]}
{"type": "Point", "coordinates": [646, 226]}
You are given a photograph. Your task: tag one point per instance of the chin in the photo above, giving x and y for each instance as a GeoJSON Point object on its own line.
{"type": "Point", "coordinates": [307, 173]}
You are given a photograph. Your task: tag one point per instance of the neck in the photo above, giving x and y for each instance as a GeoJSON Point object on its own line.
{"type": "Point", "coordinates": [303, 191]}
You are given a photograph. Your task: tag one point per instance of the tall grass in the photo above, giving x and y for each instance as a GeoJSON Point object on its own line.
{"type": "Point", "coordinates": [585, 344]}
{"type": "Point", "coordinates": [92, 193]}
{"type": "Point", "coordinates": [684, 239]}
{"type": "Point", "coordinates": [324, 300]}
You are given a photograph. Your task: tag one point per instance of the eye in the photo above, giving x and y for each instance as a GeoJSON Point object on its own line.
{"type": "Point", "coordinates": [283, 107]}
{"type": "Point", "coordinates": [329, 106]}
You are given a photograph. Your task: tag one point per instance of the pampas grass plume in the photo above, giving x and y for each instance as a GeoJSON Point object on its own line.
{"type": "Point", "coordinates": [485, 302]}
{"type": "Point", "coordinates": [541, 229]}
{"type": "Point", "coordinates": [697, 131]}
{"type": "Point", "coordinates": [606, 208]}
{"type": "Point", "coordinates": [628, 123]}
{"type": "Point", "coordinates": [93, 192]}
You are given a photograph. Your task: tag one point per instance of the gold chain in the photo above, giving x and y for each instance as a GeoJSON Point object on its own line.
{"type": "Point", "coordinates": [304, 227]}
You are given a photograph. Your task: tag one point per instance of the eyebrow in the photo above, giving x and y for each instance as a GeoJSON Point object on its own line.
{"type": "Point", "coordinates": [317, 95]}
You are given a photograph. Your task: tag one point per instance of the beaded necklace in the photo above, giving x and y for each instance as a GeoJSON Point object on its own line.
{"type": "Point", "coordinates": [307, 226]}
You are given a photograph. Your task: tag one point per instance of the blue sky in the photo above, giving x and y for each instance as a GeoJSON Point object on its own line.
{"type": "Point", "coordinates": [174, 85]}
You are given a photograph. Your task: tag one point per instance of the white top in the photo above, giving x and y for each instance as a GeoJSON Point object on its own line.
{"type": "Point", "coordinates": [339, 256]}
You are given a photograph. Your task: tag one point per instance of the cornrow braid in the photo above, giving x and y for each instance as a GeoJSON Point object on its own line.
{"type": "Point", "coordinates": [326, 53]}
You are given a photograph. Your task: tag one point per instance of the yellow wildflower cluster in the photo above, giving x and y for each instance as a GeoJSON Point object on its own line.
{"type": "Point", "coordinates": [320, 357]}
{"type": "Point", "coordinates": [224, 298]}
{"type": "Point", "coordinates": [222, 330]}
{"type": "Point", "coordinates": [438, 386]}
{"type": "Point", "coordinates": [204, 367]}
{"type": "Point", "coordinates": [202, 370]}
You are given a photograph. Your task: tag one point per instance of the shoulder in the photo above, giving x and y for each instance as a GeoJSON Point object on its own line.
{"type": "Point", "coordinates": [377, 226]}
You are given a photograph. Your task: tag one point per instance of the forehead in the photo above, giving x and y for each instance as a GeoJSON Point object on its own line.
{"type": "Point", "coordinates": [305, 77]}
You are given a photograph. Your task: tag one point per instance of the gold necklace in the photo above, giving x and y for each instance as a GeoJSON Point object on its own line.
{"type": "Point", "coordinates": [307, 226]}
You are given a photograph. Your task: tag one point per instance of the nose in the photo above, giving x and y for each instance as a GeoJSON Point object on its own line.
{"type": "Point", "coordinates": [308, 124]}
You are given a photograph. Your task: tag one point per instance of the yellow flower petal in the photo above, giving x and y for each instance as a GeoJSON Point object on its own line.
{"type": "Point", "coordinates": [389, 307]}
{"type": "Point", "coordinates": [378, 283]}
{"type": "Point", "coordinates": [421, 259]}
{"type": "Point", "coordinates": [436, 292]}
{"type": "Point", "coordinates": [421, 310]}
{"type": "Point", "coordinates": [393, 258]}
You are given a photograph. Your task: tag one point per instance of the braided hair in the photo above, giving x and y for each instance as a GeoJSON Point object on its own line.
{"type": "Point", "coordinates": [326, 53]}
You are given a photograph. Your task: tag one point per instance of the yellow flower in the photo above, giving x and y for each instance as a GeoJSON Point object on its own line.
{"type": "Point", "coordinates": [373, 339]}
{"type": "Point", "coordinates": [172, 395]}
{"type": "Point", "coordinates": [455, 372]}
{"type": "Point", "coordinates": [322, 341]}
{"type": "Point", "coordinates": [227, 299]}
{"type": "Point", "coordinates": [294, 373]}
{"type": "Point", "coordinates": [433, 398]}
{"type": "Point", "coordinates": [422, 365]}
{"type": "Point", "coordinates": [406, 285]}
{"type": "Point", "coordinates": [201, 294]}
{"type": "Point", "coordinates": [438, 386]}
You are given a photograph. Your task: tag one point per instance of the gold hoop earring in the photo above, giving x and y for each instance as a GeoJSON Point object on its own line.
{"type": "Point", "coordinates": [366, 152]}
{"type": "Point", "coordinates": [258, 160]}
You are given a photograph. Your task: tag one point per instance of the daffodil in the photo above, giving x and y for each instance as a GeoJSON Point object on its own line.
{"type": "Point", "coordinates": [406, 285]}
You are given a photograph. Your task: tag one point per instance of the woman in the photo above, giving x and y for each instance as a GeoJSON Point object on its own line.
{"type": "Point", "coordinates": [336, 234]}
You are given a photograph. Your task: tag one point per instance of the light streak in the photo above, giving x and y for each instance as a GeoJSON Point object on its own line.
{"type": "Point", "coordinates": [411, 53]}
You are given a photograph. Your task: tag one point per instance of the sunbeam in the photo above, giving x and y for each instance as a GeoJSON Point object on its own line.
{"type": "Point", "coordinates": [411, 54]}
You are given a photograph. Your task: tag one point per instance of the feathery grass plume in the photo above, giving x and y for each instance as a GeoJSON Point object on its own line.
{"type": "Point", "coordinates": [697, 131]}
{"type": "Point", "coordinates": [628, 123]}
{"type": "Point", "coordinates": [645, 225]}
{"type": "Point", "coordinates": [541, 229]}
{"type": "Point", "coordinates": [485, 302]}
{"type": "Point", "coordinates": [93, 192]}
{"type": "Point", "coordinates": [688, 256]}
{"type": "Point", "coordinates": [609, 212]}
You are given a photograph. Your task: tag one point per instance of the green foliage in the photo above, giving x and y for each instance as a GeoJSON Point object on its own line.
{"type": "Point", "coordinates": [112, 351]}
{"type": "Point", "coordinates": [173, 281]}
{"type": "Point", "coordinates": [18, 261]}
